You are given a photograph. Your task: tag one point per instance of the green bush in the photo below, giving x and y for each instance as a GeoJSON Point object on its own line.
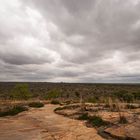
{"type": "Point", "coordinates": [36, 104]}
{"type": "Point", "coordinates": [21, 91]}
{"type": "Point", "coordinates": [58, 108]}
{"type": "Point", "coordinates": [93, 100]}
{"type": "Point", "coordinates": [84, 116]}
{"type": "Point", "coordinates": [55, 102]}
{"type": "Point", "coordinates": [13, 111]}
{"type": "Point", "coordinates": [124, 96]}
{"type": "Point", "coordinates": [53, 94]}
{"type": "Point", "coordinates": [97, 121]}
{"type": "Point", "coordinates": [136, 95]}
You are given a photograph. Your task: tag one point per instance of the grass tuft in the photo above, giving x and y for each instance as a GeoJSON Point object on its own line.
{"type": "Point", "coordinates": [14, 111]}
{"type": "Point", "coordinates": [130, 106]}
{"type": "Point", "coordinates": [123, 120]}
{"type": "Point", "coordinates": [36, 104]}
{"type": "Point", "coordinates": [84, 116]}
{"type": "Point", "coordinates": [97, 121]}
{"type": "Point", "coordinates": [55, 102]}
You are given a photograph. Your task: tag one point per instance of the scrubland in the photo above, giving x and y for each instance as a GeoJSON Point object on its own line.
{"type": "Point", "coordinates": [112, 109]}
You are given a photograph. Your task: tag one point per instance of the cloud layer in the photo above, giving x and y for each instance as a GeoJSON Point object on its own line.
{"type": "Point", "coordinates": [70, 40]}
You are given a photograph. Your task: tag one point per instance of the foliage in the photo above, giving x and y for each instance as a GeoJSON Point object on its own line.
{"type": "Point", "coordinates": [55, 102]}
{"type": "Point", "coordinates": [84, 116]}
{"type": "Point", "coordinates": [130, 106]}
{"type": "Point", "coordinates": [36, 104]}
{"type": "Point", "coordinates": [136, 95]}
{"type": "Point", "coordinates": [77, 94]}
{"type": "Point", "coordinates": [124, 96]}
{"type": "Point", "coordinates": [15, 110]}
{"type": "Point", "coordinates": [53, 94]}
{"type": "Point", "coordinates": [93, 100]}
{"type": "Point", "coordinates": [21, 91]}
{"type": "Point", "coordinates": [58, 108]}
{"type": "Point", "coordinates": [97, 121]}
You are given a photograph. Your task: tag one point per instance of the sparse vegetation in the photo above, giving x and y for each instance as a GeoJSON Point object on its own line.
{"type": "Point", "coordinates": [52, 94]}
{"type": "Point", "coordinates": [93, 93]}
{"type": "Point", "coordinates": [36, 104]}
{"type": "Point", "coordinates": [97, 121]}
{"type": "Point", "coordinates": [58, 108]}
{"type": "Point", "coordinates": [123, 120]}
{"type": "Point", "coordinates": [131, 106]}
{"type": "Point", "coordinates": [13, 111]}
{"type": "Point", "coordinates": [21, 92]}
{"type": "Point", "coordinates": [84, 116]}
{"type": "Point", "coordinates": [93, 100]}
{"type": "Point", "coordinates": [55, 102]}
{"type": "Point", "coordinates": [124, 96]}
{"type": "Point", "coordinates": [100, 105]}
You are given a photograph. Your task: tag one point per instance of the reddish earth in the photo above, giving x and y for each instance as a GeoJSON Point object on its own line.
{"type": "Point", "coordinates": [44, 124]}
{"type": "Point", "coordinates": [116, 130]}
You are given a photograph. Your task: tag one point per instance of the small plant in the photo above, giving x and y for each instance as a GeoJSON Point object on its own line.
{"type": "Point", "coordinates": [107, 106]}
{"type": "Point", "coordinates": [36, 104]}
{"type": "Point", "coordinates": [130, 106]}
{"type": "Point", "coordinates": [67, 102]}
{"type": "Point", "coordinates": [93, 100]}
{"type": "Point", "coordinates": [123, 120]}
{"type": "Point", "coordinates": [55, 102]}
{"type": "Point", "coordinates": [84, 116]}
{"type": "Point", "coordinates": [13, 111]}
{"type": "Point", "coordinates": [97, 121]}
{"type": "Point", "coordinates": [59, 108]}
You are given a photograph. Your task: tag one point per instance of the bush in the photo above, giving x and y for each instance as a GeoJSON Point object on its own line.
{"type": "Point", "coordinates": [136, 95]}
{"type": "Point", "coordinates": [130, 106]}
{"type": "Point", "coordinates": [84, 116]}
{"type": "Point", "coordinates": [53, 94]}
{"type": "Point", "coordinates": [36, 104]}
{"type": "Point", "coordinates": [93, 100]}
{"type": "Point", "coordinates": [67, 102]}
{"type": "Point", "coordinates": [123, 120]}
{"type": "Point", "coordinates": [21, 91]}
{"type": "Point", "coordinates": [58, 108]}
{"type": "Point", "coordinates": [15, 110]}
{"type": "Point", "coordinates": [124, 96]}
{"type": "Point", "coordinates": [55, 102]}
{"type": "Point", "coordinates": [113, 107]}
{"type": "Point", "coordinates": [97, 121]}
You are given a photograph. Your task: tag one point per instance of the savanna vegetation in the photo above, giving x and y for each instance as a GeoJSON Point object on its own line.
{"type": "Point", "coordinates": [93, 93]}
{"type": "Point", "coordinates": [100, 105]}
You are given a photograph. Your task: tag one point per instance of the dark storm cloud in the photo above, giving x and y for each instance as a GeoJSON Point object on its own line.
{"type": "Point", "coordinates": [70, 40]}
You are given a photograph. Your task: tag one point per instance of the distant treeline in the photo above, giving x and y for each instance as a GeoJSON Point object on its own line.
{"type": "Point", "coordinates": [91, 92]}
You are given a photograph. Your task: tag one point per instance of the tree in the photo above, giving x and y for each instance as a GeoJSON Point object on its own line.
{"type": "Point", "coordinates": [21, 91]}
{"type": "Point", "coordinates": [54, 93]}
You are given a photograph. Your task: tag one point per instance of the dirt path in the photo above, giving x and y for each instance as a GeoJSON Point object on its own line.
{"type": "Point", "coordinates": [44, 124]}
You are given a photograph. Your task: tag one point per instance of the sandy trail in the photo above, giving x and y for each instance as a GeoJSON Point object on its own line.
{"type": "Point", "coordinates": [44, 124]}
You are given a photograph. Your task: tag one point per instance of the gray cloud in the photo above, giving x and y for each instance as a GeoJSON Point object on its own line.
{"type": "Point", "coordinates": [68, 40]}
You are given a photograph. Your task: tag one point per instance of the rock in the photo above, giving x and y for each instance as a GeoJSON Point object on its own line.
{"type": "Point", "coordinates": [131, 131]}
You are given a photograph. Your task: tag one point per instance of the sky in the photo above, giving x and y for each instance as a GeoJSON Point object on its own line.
{"type": "Point", "coordinates": [70, 41]}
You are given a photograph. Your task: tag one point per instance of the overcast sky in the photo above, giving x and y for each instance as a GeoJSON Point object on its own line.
{"type": "Point", "coordinates": [70, 40]}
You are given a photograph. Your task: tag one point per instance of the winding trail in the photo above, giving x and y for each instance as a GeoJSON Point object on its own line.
{"type": "Point", "coordinates": [44, 124]}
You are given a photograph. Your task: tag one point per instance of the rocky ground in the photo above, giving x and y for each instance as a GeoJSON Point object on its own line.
{"type": "Point", "coordinates": [44, 124]}
{"type": "Point", "coordinates": [115, 130]}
